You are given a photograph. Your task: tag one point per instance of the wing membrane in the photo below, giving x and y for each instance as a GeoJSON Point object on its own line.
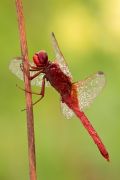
{"type": "Point", "coordinates": [67, 112]}
{"type": "Point", "coordinates": [16, 70]}
{"type": "Point", "coordinates": [89, 89]}
{"type": "Point", "coordinates": [59, 56]}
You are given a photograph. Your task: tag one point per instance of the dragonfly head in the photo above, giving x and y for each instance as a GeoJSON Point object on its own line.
{"type": "Point", "coordinates": [40, 58]}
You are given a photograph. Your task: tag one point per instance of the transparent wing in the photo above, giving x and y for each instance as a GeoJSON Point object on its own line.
{"type": "Point", "coordinates": [59, 56]}
{"type": "Point", "coordinates": [16, 70]}
{"type": "Point", "coordinates": [89, 89]}
{"type": "Point", "coordinates": [67, 112]}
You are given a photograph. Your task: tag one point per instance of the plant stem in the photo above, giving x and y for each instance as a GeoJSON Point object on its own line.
{"type": "Point", "coordinates": [29, 108]}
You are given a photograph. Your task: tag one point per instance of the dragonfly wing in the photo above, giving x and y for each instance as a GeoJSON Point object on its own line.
{"type": "Point", "coordinates": [38, 80]}
{"type": "Point", "coordinates": [89, 89]}
{"type": "Point", "coordinates": [16, 70]}
{"type": "Point", "coordinates": [59, 57]}
{"type": "Point", "coordinates": [67, 112]}
{"type": "Point", "coordinates": [14, 67]}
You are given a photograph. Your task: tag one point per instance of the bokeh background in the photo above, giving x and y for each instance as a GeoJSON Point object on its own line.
{"type": "Point", "coordinates": [88, 32]}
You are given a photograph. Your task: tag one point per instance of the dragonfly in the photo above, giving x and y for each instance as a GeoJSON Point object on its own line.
{"type": "Point", "coordinates": [75, 96]}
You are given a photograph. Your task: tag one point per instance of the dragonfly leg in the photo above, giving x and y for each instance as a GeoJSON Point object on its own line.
{"type": "Point", "coordinates": [34, 70]}
{"type": "Point", "coordinates": [42, 93]}
{"type": "Point", "coordinates": [35, 75]}
{"type": "Point", "coordinates": [21, 67]}
{"type": "Point", "coordinates": [34, 67]}
{"type": "Point", "coordinates": [31, 77]}
{"type": "Point", "coordinates": [31, 69]}
{"type": "Point", "coordinates": [27, 91]}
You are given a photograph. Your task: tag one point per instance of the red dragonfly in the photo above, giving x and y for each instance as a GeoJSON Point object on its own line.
{"type": "Point", "coordinates": [75, 96]}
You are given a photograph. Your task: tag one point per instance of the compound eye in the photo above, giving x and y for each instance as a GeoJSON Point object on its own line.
{"type": "Point", "coordinates": [36, 59]}
{"type": "Point", "coordinates": [43, 57]}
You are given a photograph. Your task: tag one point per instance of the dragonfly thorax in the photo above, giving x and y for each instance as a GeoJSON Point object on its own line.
{"type": "Point", "coordinates": [40, 58]}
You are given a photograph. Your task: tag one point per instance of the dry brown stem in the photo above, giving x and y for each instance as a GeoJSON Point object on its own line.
{"type": "Point", "coordinates": [29, 108]}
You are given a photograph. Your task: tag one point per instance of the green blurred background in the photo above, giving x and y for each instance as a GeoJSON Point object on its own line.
{"type": "Point", "coordinates": [88, 32]}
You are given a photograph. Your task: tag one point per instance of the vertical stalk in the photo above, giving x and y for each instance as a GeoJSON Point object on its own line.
{"type": "Point", "coordinates": [29, 108]}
